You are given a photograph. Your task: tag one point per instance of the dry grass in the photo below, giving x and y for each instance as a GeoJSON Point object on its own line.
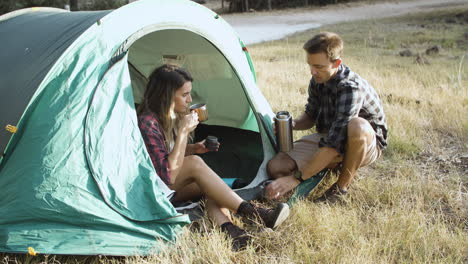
{"type": "Point", "coordinates": [410, 206]}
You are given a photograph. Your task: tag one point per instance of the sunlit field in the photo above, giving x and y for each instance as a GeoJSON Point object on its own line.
{"type": "Point", "coordinates": [408, 207]}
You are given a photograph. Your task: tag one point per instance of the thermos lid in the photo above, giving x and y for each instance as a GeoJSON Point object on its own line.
{"type": "Point", "coordinates": [282, 115]}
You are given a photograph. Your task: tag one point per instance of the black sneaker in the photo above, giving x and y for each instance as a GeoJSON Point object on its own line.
{"type": "Point", "coordinates": [333, 195]}
{"type": "Point", "coordinates": [274, 217]}
{"type": "Point", "coordinates": [240, 238]}
{"type": "Point", "coordinates": [268, 217]}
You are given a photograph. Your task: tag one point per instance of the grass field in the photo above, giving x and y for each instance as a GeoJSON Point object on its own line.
{"type": "Point", "coordinates": [410, 206]}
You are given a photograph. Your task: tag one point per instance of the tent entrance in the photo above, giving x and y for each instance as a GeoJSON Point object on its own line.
{"type": "Point", "coordinates": [240, 154]}
{"type": "Point", "coordinates": [217, 84]}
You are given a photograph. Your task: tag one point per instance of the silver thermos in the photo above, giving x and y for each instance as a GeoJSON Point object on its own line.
{"type": "Point", "coordinates": [284, 136]}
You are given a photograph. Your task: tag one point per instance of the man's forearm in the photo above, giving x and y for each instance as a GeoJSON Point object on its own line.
{"type": "Point", "coordinates": [303, 122]}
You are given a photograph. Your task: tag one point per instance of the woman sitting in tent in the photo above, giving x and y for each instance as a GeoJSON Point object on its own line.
{"type": "Point", "coordinates": [166, 124]}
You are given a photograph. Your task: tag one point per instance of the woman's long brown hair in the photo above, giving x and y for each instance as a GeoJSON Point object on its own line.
{"type": "Point", "coordinates": [159, 94]}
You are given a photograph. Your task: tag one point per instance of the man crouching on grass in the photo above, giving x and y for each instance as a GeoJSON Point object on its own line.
{"type": "Point", "coordinates": [349, 119]}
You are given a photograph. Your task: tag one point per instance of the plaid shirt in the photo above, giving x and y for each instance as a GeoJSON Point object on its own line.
{"type": "Point", "coordinates": [154, 138]}
{"type": "Point", "coordinates": [332, 105]}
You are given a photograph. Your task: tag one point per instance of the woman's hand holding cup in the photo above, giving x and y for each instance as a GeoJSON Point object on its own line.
{"type": "Point", "coordinates": [201, 110]}
{"type": "Point", "coordinates": [209, 144]}
{"type": "Point", "coordinates": [189, 122]}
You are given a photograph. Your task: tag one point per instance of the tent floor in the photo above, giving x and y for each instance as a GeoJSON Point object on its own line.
{"type": "Point", "coordinates": [240, 153]}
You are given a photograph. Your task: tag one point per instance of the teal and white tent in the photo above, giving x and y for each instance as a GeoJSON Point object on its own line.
{"type": "Point", "coordinates": [75, 176]}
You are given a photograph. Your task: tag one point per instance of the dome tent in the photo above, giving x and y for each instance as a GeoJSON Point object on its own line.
{"type": "Point", "coordinates": [75, 176]}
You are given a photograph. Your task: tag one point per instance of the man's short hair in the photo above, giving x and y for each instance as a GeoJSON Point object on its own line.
{"type": "Point", "coordinates": [328, 42]}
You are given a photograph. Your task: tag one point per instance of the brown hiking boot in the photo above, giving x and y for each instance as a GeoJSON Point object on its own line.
{"type": "Point", "coordinates": [268, 217]}
{"type": "Point", "coordinates": [240, 238]}
{"type": "Point", "coordinates": [332, 195]}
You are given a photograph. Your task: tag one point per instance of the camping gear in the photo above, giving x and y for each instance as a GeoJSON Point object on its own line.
{"type": "Point", "coordinates": [201, 111]}
{"type": "Point", "coordinates": [75, 176]}
{"type": "Point", "coordinates": [284, 136]}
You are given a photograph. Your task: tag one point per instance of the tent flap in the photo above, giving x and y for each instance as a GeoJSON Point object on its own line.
{"type": "Point", "coordinates": [131, 190]}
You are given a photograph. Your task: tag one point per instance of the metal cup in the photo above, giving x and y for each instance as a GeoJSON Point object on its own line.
{"type": "Point", "coordinates": [201, 111]}
{"type": "Point", "coordinates": [284, 136]}
{"type": "Point", "coordinates": [211, 143]}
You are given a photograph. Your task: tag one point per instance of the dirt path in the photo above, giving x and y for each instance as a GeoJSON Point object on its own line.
{"type": "Point", "coordinates": [264, 26]}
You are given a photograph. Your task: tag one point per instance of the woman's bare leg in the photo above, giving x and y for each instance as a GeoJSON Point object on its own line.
{"type": "Point", "coordinates": [192, 191]}
{"type": "Point", "coordinates": [188, 193]}
{"type": "Point", "coordinates": [218, 215]}
{"type": "Point", "coordinates": [195, 170]}
{"type": "Point", "coordinates": [215, 213]}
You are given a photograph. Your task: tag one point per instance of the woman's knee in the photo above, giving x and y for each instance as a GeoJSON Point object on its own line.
{"type": "Point", "coordinates": [194, 162]}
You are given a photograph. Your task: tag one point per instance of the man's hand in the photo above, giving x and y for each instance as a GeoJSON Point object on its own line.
{"type": "Point", "coordinates": [303, 122]}
{"type": "Point", "coordinates": [281, 186]}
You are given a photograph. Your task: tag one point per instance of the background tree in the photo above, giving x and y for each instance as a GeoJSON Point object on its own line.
{"type": "Point", "coordinates": [74, 5]}
{"type": "Point", "coordinates": [103, 4]}
{"type": "Point", "coordinates": [11, 5]}
{"type": "Point", "coordinates": [246, 5]}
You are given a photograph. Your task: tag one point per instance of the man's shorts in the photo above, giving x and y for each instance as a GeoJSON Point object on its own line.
{"type": "Point", "coordinates": [306, 147]}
